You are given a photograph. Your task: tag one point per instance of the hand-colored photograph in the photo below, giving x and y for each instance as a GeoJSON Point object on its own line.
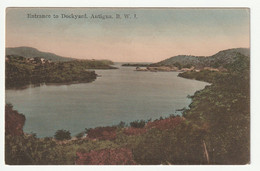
{"type": "Point", "coordinates": [127, 86]}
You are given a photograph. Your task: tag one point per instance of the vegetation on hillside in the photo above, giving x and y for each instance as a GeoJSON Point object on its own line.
{"type": "Point", "coordinates": [138, 124]}
{"type": "Point", "coordinates": [220, 59]}
{"type": "Point", "coordinates": [214, 130]}
{"type": "Point", "coordinates": [135, 65]}
{"type": "Point", "coordinates": [14, 121]}
{"type": "Point", "coordinates": [21, 72]}
{"type": "Point", "coordinates": [203, 75]}
{"type": "Point", "coordinates": [62, 135]}
{"type": "Point", "coordinates": [223, 110]}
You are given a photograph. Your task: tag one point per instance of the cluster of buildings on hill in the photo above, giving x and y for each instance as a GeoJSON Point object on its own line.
{"type": "Point", "coordinates": [34, 60]}
{"type": "Point", "coordinates": [37, 60]}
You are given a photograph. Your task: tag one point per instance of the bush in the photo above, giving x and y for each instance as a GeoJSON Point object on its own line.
{"type": "Point", "coordinates": [183, 145]}
{"type": "Point", "coordinates": [62, 135]}
{"type": "Point", "coordinates": [102, 133]}
{"type": "Point", "coordinates": [121, 124]}
{"type": "Point", "coordinates": [138, 124]}
{"type": "Point", "coordinates": [80, 135]}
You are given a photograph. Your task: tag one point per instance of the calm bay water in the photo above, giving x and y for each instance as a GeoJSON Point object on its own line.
{"type": "Point", "coordinates": [119, 95]}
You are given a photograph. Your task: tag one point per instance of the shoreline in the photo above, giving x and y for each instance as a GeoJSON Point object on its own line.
{"type": "Point", "coordinates": [49, 84]}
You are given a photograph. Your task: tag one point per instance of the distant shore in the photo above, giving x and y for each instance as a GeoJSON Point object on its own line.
{"type": "Point", "coordinates": [135, 65]}
{"type": "Point", "coordinates": [22, 72]}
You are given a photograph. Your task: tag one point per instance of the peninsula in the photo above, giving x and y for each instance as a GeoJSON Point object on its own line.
{"type": "Point", "coordinates": [52, 69]}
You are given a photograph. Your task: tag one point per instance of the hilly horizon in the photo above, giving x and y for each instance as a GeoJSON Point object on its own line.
{"type": "Point", "coordinates": [218, 59]}
{"type": "Point", "coordinates": [30, 52]}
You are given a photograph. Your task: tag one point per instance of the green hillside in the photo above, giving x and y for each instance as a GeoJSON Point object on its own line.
{"type": "Point", "coordinates": [220, 59]}
{"type": "Point", "coordinates": [21, 72]}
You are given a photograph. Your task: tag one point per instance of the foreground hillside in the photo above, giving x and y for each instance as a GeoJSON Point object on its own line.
{"type": "Point", "coordinates": [21, 72]}
{"type": "Point", "coordinates": [214, 130]}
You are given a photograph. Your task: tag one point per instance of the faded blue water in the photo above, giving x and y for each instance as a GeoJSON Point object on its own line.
{"type": "Point", "coordinates": [118, 95]}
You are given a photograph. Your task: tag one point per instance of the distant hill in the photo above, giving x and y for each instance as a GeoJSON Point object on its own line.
{"type": "Point", "coordinates": [226, 56]}
{"type": "Point", "coordinates": [182, 59]}
{"type": "Point", "coordinates": [29, 52]}
{"type": "Point", "coordinates": [219, 59]}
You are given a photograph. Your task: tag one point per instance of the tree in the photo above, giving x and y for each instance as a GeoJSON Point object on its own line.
{"type": "Point", "coordinates": [121, 124]}
{"type": "Point", "coordinates": [138, 124]}
{"type": "Point", "coordinates": [62, 135]}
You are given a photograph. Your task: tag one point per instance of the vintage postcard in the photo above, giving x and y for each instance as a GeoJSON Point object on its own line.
{"type": "Point", "coordinates": [127, 86]}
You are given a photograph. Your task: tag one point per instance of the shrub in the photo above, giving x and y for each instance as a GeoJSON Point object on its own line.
{"type": "Point", "coordinates": [80, 135]}
{"type": "Point", "coordinates": [138, 124]}
{"type": "Point", "coordinates": [119, 156]}
{"type": "Point", "coordinates": [121, 124]}
{"type": "Point", "coordinates": [102, 133]}
{"type": "Point", "coordinates": [62, 135]}
{"type": "Point", "coordinates": [134, 131]}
